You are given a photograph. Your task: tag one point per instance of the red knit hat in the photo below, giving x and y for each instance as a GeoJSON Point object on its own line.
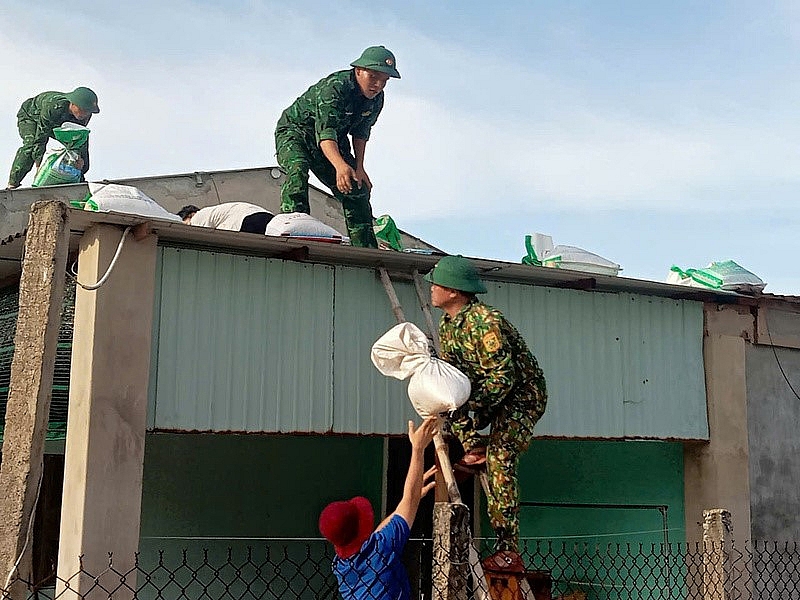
{"type": "Point", "coordinates": [347, 524]}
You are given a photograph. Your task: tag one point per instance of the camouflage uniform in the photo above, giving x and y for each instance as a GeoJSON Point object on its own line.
{"type": "Point", "coordinates": [508, 392]}
{"type": "Point", "coordinates": [36, 119]}
{"type": "Point", "coordinates": [329, 110]}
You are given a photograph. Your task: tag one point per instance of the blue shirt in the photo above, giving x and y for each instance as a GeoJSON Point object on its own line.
{"type": "Point", "coordinates": [376, 572]}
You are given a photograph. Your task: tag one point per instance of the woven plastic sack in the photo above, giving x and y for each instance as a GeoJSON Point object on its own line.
{"type": "Point", "coordinates": [112, 197]}
{"type": "Point", "coordinates": [300, 225]}
{"type": "Point", "coordinates": [566, 257]}
{"type": "Point", "coordinates": [434, 386]}
{"type": "Point", "coordinates": [61, 162]}
{"type": "Point", "coordinates": [387, 233]}
{"type": "Point", "coordinates": [725, 275]}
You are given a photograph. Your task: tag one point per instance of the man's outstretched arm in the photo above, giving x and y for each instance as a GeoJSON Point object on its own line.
{"type": "Point", "coordinates": [415, 486]}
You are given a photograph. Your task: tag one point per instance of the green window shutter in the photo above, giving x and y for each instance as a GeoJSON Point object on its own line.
{"type": "Point", "coordinates": [9, 307]}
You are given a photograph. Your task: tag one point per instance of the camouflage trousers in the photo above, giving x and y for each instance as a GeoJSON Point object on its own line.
{"type": "Point", "coordinates": [28, 154]}
{"type": "Point", "coordinates": [510, 436]}
{"type": "Point", "coordinates": [297, 157]}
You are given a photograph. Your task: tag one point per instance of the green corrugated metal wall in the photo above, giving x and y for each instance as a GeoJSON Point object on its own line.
{"type": "Point", "coordinates": [255, 344]}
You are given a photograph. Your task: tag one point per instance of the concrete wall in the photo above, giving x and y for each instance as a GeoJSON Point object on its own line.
{"type": "Point", "coordinates": [773, 413]}
{"type": "Point", "coordinates": [717, 472]}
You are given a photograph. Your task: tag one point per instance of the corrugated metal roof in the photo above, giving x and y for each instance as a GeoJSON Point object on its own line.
{"type": "Point", "coordinates": [170, 232]}
{"type": "Point", "coordinates": [256, 344]}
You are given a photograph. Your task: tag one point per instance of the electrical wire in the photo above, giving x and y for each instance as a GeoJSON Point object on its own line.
{"type": "Point", "coordinates": [777, 360]}
{"type": "Point", "coordinates": [102, 280]}
{"type": "Point", "coordinates": [214, 183]}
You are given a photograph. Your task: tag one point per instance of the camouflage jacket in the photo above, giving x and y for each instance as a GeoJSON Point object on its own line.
{"type": "Point", "coordinates": [48, 110]}
{"type": "Point", "coordinates": [481, 343]}
{"type": "Point", "coordinates": [331, 109]}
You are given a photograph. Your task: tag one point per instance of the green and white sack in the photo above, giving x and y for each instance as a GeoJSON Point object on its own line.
{"type": "Point", "coordinates": [387, 234]}
{"type": "Point", "coordinates": [62, 161]}
{"type": "Point", "coordinates": [726, 275]}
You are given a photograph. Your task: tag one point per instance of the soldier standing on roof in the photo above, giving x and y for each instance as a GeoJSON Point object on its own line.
{"type": "Point", "coordinates": [36, 119]}
{"type": "Point", "coordinates": [312, 134]}
{"type": "Point", "coordinates": [508, 390]}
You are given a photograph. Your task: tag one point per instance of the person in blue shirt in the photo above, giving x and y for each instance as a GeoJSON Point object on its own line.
{"type": "Point", "coordinates": [368, 563]}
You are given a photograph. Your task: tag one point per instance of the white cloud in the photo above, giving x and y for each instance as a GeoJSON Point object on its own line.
{"type": "Point", "coordinates": [451, 162]}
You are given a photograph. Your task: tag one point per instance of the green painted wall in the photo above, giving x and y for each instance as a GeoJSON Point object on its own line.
{"type": "Point", "coordinates": [250, 485]}
{"type": "Point", "coordinates": [589, 472]}
{"type": "Point", "coordinates": [214, 493]}
{"type": "Point", "coordinates": [205, 497]}
{"type": "Point", "coordinates": [604, 551]}
{"type": "Point", "coordinates": [274, 486]}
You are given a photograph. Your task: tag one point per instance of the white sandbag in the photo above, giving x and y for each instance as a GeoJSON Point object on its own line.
{"type": "Point", "coordinates": [300, 225]}
{"type": "Point", "coordinates": [434, 386]}
{"type": "Point", "coordinates": [112, 197]}
{"type": "Point", "coordinates": [542, 253]}
{"type": "Point", "coordinates": [725, 275]}
{"type": "Point", "coordinates": [578, 259]}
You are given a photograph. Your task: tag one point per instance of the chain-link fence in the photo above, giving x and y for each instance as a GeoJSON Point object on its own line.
{"type": "Point", "coordinates": [555, 570]}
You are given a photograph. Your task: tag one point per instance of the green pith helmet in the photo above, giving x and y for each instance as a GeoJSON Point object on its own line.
{"type": "Point", "coordinates": [84, 98]}
{"type": "Point", "coordinates": [456, 273]}
{"type": "Point", "coordinates": [377, 58]}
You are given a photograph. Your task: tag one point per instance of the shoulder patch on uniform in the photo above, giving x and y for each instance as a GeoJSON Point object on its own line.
{"type": "Point", "coordinates": [491, 342]}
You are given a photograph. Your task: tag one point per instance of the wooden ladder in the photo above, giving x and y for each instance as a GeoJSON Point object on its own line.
{"type": "Point", "coordinates": [438, 441]}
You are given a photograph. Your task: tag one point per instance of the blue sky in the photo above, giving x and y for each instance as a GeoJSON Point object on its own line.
{"type": "Point", "coordinates": [651, 133]}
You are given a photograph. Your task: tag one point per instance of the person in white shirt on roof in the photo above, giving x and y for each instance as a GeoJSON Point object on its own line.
{"type": "Point", "coordinates": [233, 216]}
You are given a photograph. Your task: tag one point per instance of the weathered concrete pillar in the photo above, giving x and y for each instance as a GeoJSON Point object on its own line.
{"type": "Point", "coordinates": [717, 473]}
{"type": "Point", "coordinates": [111, 348]}
{"type": "Point", "coordinates": [716, 554]}
{"type": "Point", "coordinates": [451, 544]}
{"type": "Point", "coordinates": [41, 290]}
